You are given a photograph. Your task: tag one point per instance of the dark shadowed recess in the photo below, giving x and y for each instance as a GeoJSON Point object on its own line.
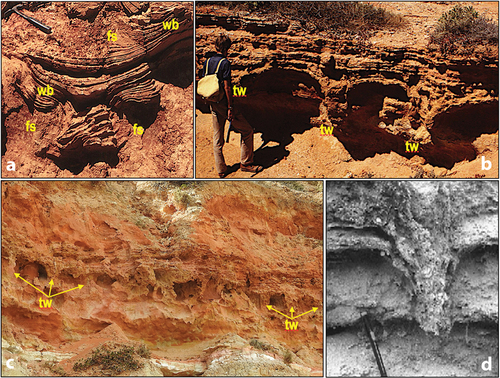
{"type": "Point", "coordinates": [30, 269]}
{"type": "Point", "coordinates": [357, 327]}
{"type": "Point", "coordinates": [454, 131]}
{"type": "Point", "coordinates": [175, 64]}
{"type": "Point", "coordinates": [231, 24]}
{"type": "Point", "coordinates": [186, 290]}
{"type": "Point", "coordinates": [142, 113]}
{"type": "Point", "coordinates": [75, 163]}
{"type": "Point", "coordinates": [359, 132]}
{"type": "Point", "coordinates": [273, 108]}
{"type": "Point", "coordinates": [483, 73]}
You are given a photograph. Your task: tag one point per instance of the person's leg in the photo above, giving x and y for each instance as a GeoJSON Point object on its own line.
{"type": "Point", "coordinates": [245, 129]}
{"type": "Point", "coordinates": [218, 122]}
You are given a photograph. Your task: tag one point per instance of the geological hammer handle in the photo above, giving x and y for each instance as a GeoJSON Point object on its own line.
{"type": "Point", "coordinates": [38, 24]}
{"type": "Point", "coordinates": [374, 345]}
{"type": "Point", "coordinates": [229, 131]}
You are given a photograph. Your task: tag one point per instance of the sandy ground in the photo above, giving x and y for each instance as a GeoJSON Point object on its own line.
{"type": "Point", "coordinates": [311, 155]}
{"type": "Point", "coordinates": [289, 166]}
{"type": "Point", "coordinates": [420, 17]}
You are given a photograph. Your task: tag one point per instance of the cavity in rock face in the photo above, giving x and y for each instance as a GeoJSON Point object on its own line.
{"type": "Point", "coordinates": [183, 267]}
{"type": "Point", "coordinates": [423, 229]}
{"type": "Point", "coordinates": [85, 92]}
{"type": "Point", "coordinates": [373, 97]}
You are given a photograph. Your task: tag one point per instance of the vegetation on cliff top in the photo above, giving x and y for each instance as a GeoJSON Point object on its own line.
{"type": "Point", "coordinates": [350, 17]}
{"type": "Point", "coordinates": [461, 29]}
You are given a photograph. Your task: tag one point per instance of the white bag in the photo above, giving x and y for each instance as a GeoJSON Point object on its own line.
{"type": "Point", "coordinates": [209, 87]}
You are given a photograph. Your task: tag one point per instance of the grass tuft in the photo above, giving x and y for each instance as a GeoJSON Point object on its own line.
{"type": "Point", "coordinates": [287, 357]}
{"type": "Point", "coordinates": [294, 185]}
{"type": "Point", "coordinates": [259, 345]}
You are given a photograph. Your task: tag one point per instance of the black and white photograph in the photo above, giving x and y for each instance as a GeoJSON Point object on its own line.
{"type": "Point", "coordinates": [412, 278]}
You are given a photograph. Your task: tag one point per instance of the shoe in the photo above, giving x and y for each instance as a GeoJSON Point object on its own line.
{"type": "Point", "coordinates": [252, 168]}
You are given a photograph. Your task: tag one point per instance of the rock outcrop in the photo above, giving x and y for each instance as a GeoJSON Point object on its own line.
{"type": "Point", "coordinates": [90, 135]}
{"type": "Point", "coordinates": [415, 251]}
{"type": "Point", "coordinates": [142, 78]}
{"type": "Point", "coordinates": [375, 96]}
{"type": "Point", "coordinates": [177, 266]}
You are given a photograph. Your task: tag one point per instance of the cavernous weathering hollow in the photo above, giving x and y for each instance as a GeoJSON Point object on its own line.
{"type": "Point", "coordinates": [280, 103]}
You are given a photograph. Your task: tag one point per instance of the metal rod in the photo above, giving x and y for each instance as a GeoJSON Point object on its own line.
{"type": "Point", "coordinates": [374, 345]}
{"type": "Point", "coordinates": [229, 131]}
{"type": "Point", "coordinates": [46, 29]}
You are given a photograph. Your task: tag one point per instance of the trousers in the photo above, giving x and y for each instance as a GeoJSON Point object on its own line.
{"type": "Point", "coordinates": [240, 124]}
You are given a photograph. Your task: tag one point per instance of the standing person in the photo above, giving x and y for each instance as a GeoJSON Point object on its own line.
{"type": "Point", "coordinates": [223, 110]}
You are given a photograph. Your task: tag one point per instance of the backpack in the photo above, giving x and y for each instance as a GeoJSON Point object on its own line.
{"type": "Point", "coordinates": [209, 87]}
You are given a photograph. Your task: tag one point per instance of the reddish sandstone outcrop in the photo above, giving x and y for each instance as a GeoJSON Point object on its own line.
{"type": "Point", "coordinates": [141, 78]}
{"type": "Point", "coordinates": [176, 266]}
{"type": "Point", "coordinates": [376, 95]}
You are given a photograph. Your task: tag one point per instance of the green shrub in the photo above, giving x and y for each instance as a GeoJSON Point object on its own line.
{"type": "Point", "coordinates": [287, 357]}
{"type": "Point", "coordinates": [57, 370]}
{"type": "Point", "coordinates": [259, 345]}
{"type": "Point", "coordinates": [115, 360]}
{"type": "Point", "coordinates": [458, 20]}
{"type": "Point", "coordinates": [143, 351]}
{"type": "Point", "coordinates": [462, 28]}
{"type": "Point", "coordinates": [182, 198]}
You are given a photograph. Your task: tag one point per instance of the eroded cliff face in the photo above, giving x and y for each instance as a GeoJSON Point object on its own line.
{"type": "Point", "coordinates": [187, 269]}
{"type": "Point", "coordinates": [376, 94]}
{"type": "Point", "coordinates": [105, 68]}
{"type": "Point", "coordinates": [412, 251]}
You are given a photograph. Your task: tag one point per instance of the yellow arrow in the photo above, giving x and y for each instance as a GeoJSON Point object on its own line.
{"type": "Point", "coordinates": [314, 309]}
{"type": "Point", "coordinates": [19, 276]}
{"type": "Point", "coordinates": [65, 291]}
{"type": "Point", "coordinates": [292, 311]}
{"type": "Point", "coordinates": [51, 283]}
{"type": "Point", "coordinates": [269, 307]}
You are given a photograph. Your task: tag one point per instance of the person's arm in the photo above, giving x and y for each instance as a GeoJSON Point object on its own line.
{"type": "Point", "coordinates": [229, 95]}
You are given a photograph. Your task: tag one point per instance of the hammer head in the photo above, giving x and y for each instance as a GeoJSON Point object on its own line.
{"type": "Point", "coordinates": [15, 9]}
{"type": "Point", "coordinates": [10, 7]}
